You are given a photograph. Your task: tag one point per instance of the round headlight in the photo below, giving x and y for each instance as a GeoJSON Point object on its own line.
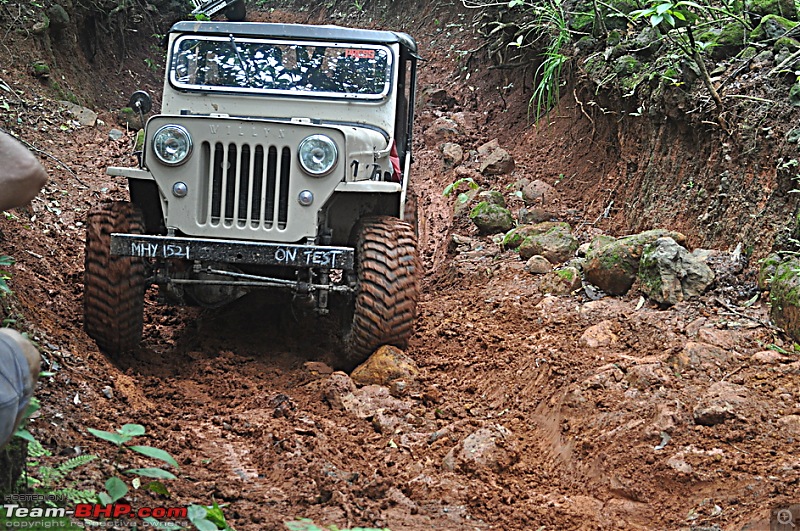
{"type": "Point", "coordinates": [172, 144]}
{"type": "Point", "coordinates": [317, 154]}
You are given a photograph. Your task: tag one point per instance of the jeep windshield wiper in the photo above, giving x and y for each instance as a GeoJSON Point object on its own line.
{"type": "Point", "coordinates": [239, 58]}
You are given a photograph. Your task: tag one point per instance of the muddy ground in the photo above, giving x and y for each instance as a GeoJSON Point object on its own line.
{"type": "Point", "coordinates": [585, 412]}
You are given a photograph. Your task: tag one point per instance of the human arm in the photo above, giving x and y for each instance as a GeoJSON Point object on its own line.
{"type": "Point", "coordinates": [20, 363]}
{"type": "Point", "coordinates": [21, 175]}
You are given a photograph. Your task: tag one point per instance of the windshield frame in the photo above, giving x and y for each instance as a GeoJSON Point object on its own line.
{"type": "Point", "coordinates": [231, 41]}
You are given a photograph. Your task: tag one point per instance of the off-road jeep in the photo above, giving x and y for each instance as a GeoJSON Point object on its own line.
{"type": "Point", "coordinates": [280, 161]}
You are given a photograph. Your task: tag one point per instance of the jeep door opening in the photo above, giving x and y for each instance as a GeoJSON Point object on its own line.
{"type": "Point", "coordinates": [280, 160]}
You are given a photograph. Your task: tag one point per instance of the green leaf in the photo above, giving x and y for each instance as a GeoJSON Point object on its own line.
{"type": "Point", "coordinates": [116, 488]}
{"type": "Point", "coordinates": [214, 514]}
{"type": "Point", "coordinates": [158, 488]}
{"type": "Point", "coordinates": [655, 20]}
{"type": "Point", "coordinates": [155, 453]}
{"type": "Point", "coordinates": [304, 524]}
{"type": "Point", "coordinates": [133, 430]}
{"type": "Point", "coordinates": [668, 18]}
{"type": "Point", "coordinates": [158, 473]}
{"type": "Point", "coordinates": [197, 515]}
{"type": "Point", "coordinates": [115, 438]}
{"type": "Point", "coordinates": [22, 433]}
{"type": "Point", "coordinates": [663, 8]}
{"type": "Point", "coordinates": [462, 198]}
{"type": "Point", "coordinates": [448, 189]}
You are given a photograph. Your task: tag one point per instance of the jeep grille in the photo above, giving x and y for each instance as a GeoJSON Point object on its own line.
{"type": "Point", "coordinates": [249, 184]}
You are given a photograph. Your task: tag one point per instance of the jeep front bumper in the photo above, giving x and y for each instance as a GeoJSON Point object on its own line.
{"type": "Point", "coordinates": [233, 251]}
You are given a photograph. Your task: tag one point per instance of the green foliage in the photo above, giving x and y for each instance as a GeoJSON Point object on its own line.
{"type": "Point", "coordinates": [208, 518]}
{"type": "Point", "coordinates": [462, 197]}
{"type": "Point", "coordinates": [5, 261]}
{"type": "Point", "coordinates": [116, 488]}
{"type": "Point", "coordinates": [548, 88]}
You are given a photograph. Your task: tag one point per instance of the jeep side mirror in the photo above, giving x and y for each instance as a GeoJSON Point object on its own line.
{"type": "Point", "coordinates": [141, 102]}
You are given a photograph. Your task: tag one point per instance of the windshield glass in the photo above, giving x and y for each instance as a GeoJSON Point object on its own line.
{"type": "Point", "coordinates": [250, 65]}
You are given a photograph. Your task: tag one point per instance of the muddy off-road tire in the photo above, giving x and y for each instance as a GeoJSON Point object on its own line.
{"type": "Point", "coordinates": [236, 12]}
{"type": "Point", "coordinates": [385, 304]}
{"type": "Point", "coordinates": [113, 286]}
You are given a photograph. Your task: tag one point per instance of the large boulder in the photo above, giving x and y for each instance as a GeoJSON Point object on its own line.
{"type": "Point", "coordinates": [784, 297]}
{"type": "Point", "coordinates": [670, 274]}
{"type": "Point", "coordinates": [612, 266]}
{"type": "Point", "coordinates": [556, 243]}
{"type": "Point", "coordinates": [491, 218]}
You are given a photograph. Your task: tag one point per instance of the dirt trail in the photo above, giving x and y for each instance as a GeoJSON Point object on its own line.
{"type": "Point", "coordinates": [573, 433]}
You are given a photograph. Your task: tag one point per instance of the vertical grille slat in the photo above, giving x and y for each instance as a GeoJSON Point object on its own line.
{"type": "Point", "coordinates": [249, 185]}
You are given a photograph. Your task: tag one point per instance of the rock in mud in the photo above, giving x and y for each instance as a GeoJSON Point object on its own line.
{"type": "Point", "coordinates": [441, 131]}
{"type": "Point", "coordinates": [670, 274]}
{"type": "Point", "coordinates": [767, 270]}
{"type": "Point", "coordinates": [484, 150]}
{"type": "Point", "coordinates": [535, 215]}
{"type": "Point", "coordinates": [553, 240]}
{"type": "Point", "coordinates": [498, 162]}
{"type": "Point", "coordinates": [612, 266]}
{"type": "Point", "coordinates": [388, 363]}
{"type": "Point", "coordinates": [561, 282]}
{"type": "Point", "coordinates": [784, 297]}
{"type": "Point", "coordinates": [338, 389]}
{"type": "Point", "coordinates": [702, 357]}
{"type": "Point", "coordinates": [493, 197]}
{"type": "Point", "coordinates": [538, 265]}
{"type": "Point", "coordinates": [769, 357]}
{"type": "Point", "coordinates": [85, 117]}
{"type": "Point", "coordinates": [491, 219]}
{"type": "Point", "coordinates": [722, 401]}
{"type": "Point", "coordinates": [538, 192]}
{"type": "Point", "coordinates": [490, 448]}
{"type": "Point", "coordinates": [453, 154]}
{"type": "Point", "coordinates": [600, 335]}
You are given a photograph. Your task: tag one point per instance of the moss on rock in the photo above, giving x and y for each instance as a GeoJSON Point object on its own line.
{"type": "Point", "coordinates": [784, 297]}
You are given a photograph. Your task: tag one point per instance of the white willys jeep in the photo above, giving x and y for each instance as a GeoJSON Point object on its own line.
{"type": "Point", "coordinates": [280, 161]}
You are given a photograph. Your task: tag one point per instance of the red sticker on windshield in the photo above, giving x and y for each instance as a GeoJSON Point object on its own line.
{"type": "Point", "coordinates": [359, 53]}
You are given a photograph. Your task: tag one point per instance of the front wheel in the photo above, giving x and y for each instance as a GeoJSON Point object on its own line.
{"type": "Point", "coordinates": [113, 286]}
{"type": "Point", "coordinates": [387, 271]}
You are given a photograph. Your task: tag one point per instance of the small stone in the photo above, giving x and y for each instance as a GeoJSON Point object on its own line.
{"type": "Point", "coordinates": [488, 147]}
{"type": "Point", "coordinates": [769, 357]}
{"type": "Point", "coordinates": [491, 447]}
{"type": "Point", "coordinates": [318, 367]}
{"type": "Point", "coordinates": [561, 282]}
{"type": "Point", "coordinates": [85, 117]}
{"type": "Point", "coordinates": [491, 219]}
{"type": "Point", "coordinates": [721, 402]}
{"type": "Point", "coordinates": [115, 134]}
{"type": "Point", "coordinates": [538, 192]}
{"type": "Point", "coordinates": [677, 463]}
{"type": "Point", "coordinates": [492, 197]}
{"type": "Point", "coordinates": [453, 154]}
{"type": "Point", "coordinates": [386, 364]}
{"type": "Point", "coordinates": [499, 162]}
{"type": "Point", "coordinates": [538, 265]}
{"type": "Point", "coordinates": [599, 335]}
{"type": "Point", "coordinates": [535, 215]}
{"type": "Point", "coordinates": [336, 388]}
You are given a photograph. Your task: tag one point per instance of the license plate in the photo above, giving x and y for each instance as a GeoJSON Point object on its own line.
{"type": "Point", "coordinates": [232, 251]}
